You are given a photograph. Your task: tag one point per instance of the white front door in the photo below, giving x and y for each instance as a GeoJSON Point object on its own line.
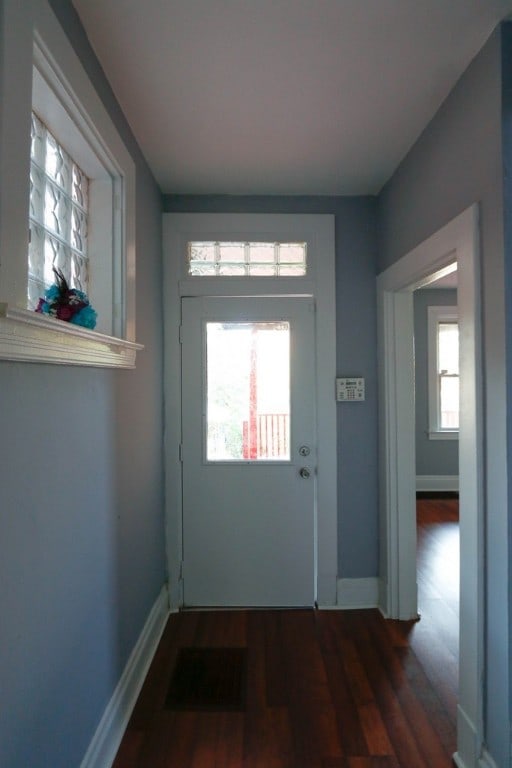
{"type": "Point", "coordinates": [248, 451]}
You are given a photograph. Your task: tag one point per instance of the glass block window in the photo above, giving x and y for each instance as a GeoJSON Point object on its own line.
{"type": "Point", "coordinates": [246, 259]}
{"type": "Point", "coordinates": [58, 215]}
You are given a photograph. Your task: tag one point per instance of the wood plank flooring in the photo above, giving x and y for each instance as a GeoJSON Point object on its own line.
{"type": "Point", "coordinates": [435, 639]}
{"type": "Point", "coordinates": [325, 689]}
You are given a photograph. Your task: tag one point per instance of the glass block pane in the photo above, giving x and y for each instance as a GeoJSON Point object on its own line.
{"type": "Point", "coordinates": [80, 187]}
{"type": "Point", "coordinates": [51, 251]}
{"type": "Point", "coordinates": [198, 251]}
{"type": "Point", "coordinates": [57, 255]}
{"type": "Point", "coordinates": [58, 164]}
{"type": "Point", "coordinates": [292, 253]}
{"type": "Point", "coordinates": [262, 253]}
{"type": "Point", "coordinates": [57, 211]}
{"type": "Point", "coordinates": [201, 268]}
{"type": "Point", "coordinates": [262, 270]}
{"type": "Point", "coordinates": [231, 270]}
{"type": "Point", "coordinates": [35, 291]}
{"type": "Point", "coordinates": [232, 252]}
{"type": "Point", "coordinates": [38, 141]}
{"type": "Point", "coordinates": [298, 270]}
{"type": "Point", "coordinates": [79, 272]}
{"type": "Point", "coordinates": [37, 191]}
{"type": "Point", "coordinates": [36, 251]}
{"type": "Point", "coordinates": [78, 229]}
{"type": "Point", "coordinates": [36, 286]}
{"type": "Point", "coordinates": [248, 391]}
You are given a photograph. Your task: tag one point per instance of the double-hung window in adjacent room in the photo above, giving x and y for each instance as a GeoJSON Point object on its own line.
{"type": "Point", "coordinates": [443, 351]}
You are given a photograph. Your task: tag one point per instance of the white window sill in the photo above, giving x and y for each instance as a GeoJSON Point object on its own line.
{"type": "Point", "coordinates": [452, 434]}
{"type": "Point", "coordinates": [31, 337]}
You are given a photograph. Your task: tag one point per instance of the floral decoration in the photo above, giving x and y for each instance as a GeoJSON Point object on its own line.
{"type": "Point", "coordinates": [67, 303]}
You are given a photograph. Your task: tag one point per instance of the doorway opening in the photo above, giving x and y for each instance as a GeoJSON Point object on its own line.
{"type": "Point", "coordinates": [435, 638]}
{"type": "Point", "coordinates": [457, 242]}
{"type": "Point", "coordinates": [257, 267]}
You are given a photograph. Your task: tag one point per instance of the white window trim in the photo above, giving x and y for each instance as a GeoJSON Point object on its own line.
{"type": "Point", "coordinates": [436, 315]}
{"type": "Point", "coordinates": [25, 335]}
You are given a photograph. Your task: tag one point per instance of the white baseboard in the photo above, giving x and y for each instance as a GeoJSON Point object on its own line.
{"type": "Point", "coordinates": [358, 593]}
{"type": "Point", "coordinates": [469, 745]}
{"type": "Point", "coordinates": [437, 482]}
{"type": "Point", "coordinates": [486, 761]}
{"type": "Point", "coordinates": [105, 743]}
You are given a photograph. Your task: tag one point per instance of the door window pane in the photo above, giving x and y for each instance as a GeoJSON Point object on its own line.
{"type": "Point", "coordinates": [248, 391]}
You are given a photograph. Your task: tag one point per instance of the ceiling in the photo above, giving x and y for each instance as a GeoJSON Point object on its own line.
{"type": "Point", "coordinates": [282, 96]}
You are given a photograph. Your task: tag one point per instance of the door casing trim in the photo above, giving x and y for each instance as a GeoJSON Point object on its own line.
{"type": "Point", "coordinates": [318, 232]}
{"type": "Point", "coordinates": [459, 242]}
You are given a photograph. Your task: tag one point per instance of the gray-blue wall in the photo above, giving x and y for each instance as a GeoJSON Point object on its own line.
{"type": "Point", "coordinates": [506, 93]}
{"type": "Point", "coordinates": [81, 512]}
{"type": "Point", "coordinates": [456, 162]}
{"type": "Point", "coordinates": [355, 355]}
{"type": "Point", "coordinates": [81, 491]}
{"type": "Point", "coordinates": [433, 457]}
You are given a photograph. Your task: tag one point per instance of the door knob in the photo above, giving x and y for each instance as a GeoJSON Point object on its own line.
{"type": "Point", "coordinates": [305, 472]}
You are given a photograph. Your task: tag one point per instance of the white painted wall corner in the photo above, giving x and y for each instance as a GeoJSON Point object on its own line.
{"type": "Point", "coordinates": [105, 743]}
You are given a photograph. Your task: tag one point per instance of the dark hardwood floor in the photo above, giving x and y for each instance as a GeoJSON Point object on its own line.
{"type": "Point", "coordinates": [435, 638]}
{"type": "Point", "coordinates": [325, 689]}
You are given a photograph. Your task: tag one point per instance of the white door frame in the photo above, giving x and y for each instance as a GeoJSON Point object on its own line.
{"type": "Point", "coordinates": [457, 242]}
{"type": "Point", "coordinates": [317, 230]}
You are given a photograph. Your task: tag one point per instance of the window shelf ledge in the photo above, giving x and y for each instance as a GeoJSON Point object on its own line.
{"type": "Point", "coordinates": [34, 338]}
{"type": "Point", "coordinates": [452, 434]}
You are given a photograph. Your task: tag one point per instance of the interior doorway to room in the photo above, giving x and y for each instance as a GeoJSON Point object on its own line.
{"type": "Point", "coordinates": [457, 242]}
{"type": "Point", "coordinates": [435, 638]}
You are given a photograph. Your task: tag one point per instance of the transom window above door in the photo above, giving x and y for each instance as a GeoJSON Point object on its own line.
{"type": "Point", "coordinates": [246, 259]}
